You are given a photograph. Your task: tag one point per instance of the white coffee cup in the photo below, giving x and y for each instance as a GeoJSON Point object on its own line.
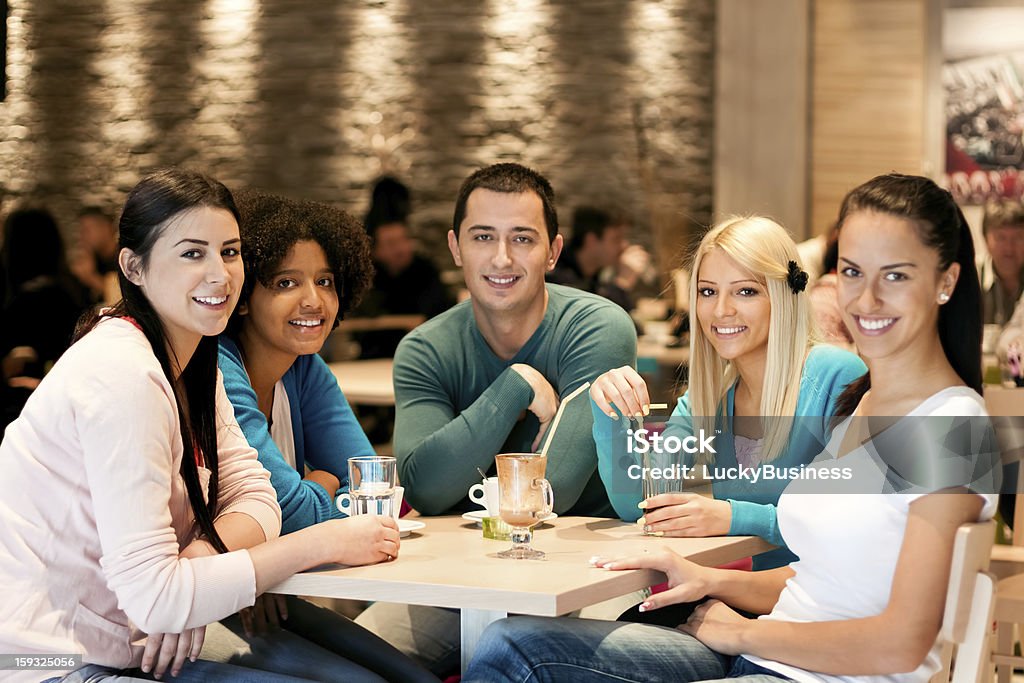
{"type": "Point", "coordinates": [344, 502]}
{"type": "Point", "coordinates": [486, 495]}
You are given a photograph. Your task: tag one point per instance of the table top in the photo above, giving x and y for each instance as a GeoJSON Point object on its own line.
{"type": "Point", "coordinates": [662, 354]}
{"type": "Point", "coordinates": [382, 322]}
{"type": "Point", "coordinates": [371, 382]}
{"type": "Point", "coordinates": [450, 564]}
{"type": "Point", "coordinates": [1004, 401]}
{"type": "Point", "coordinates": [366, 382]}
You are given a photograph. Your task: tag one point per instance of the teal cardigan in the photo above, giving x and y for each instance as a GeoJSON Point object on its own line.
{"type": "Point", "coordinates": [827, 371]}
{"type": "Point", "coordinates": [325, 430]}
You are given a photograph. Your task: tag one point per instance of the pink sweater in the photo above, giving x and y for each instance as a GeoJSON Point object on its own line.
{"type": "Point", "coordinates": [93, 510]}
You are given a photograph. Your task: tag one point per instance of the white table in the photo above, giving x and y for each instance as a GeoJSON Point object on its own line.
{"type": "Point", "coordinates": [450, 564]}
{"type": "Point", "coordinates": [366, 382]}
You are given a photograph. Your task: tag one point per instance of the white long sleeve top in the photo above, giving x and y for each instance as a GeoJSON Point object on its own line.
{"type": "Point", "coordinates": [94, 510]}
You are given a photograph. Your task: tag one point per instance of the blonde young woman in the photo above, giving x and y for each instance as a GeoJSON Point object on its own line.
{"type": "Point", "coordinates": [751, 355]}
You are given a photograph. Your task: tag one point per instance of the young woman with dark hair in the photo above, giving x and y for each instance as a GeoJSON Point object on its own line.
{"type": "Point", "coordinates": [864, 601]}
{"type": "Point", "coordinates": [306, 263]}
{"type": "Point", "coordinates": [130, 501]}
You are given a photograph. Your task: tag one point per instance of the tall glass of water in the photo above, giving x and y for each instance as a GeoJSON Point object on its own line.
{"type": "Point", "coordinates": [372, 485]}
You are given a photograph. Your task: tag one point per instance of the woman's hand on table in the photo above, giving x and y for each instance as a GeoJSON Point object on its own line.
{"type": "Point", "coordinates": [688, 582]}
{"type": "Point", "coordinates": [685, 515]}
{"type": "Point", "coordinates": [171, 649]}
{"type": "Point", "coordinates": [718, 626]}
{"type": "Point", "coordinates": [363, 539]}
{"type": "Point", "coordinates": [623, 387]}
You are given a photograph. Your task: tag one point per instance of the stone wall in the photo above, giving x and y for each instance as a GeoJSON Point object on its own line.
{"type": "Point", "coordinates": [612, 99]}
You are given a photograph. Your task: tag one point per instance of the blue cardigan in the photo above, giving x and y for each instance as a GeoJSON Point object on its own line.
{"type": "Point", "coordinates": [325, 430]}
{"type": "Point", "coordinates": [827, 371]}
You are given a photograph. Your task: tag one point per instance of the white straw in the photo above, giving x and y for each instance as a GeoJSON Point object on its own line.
{"type": "Point", "coordinates": [658, 406]}
{"type": "Point", "coordinates": [558, 416]}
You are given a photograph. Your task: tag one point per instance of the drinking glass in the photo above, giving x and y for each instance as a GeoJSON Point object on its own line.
{"type": "Point", "coordinates": [525, 498]}
{"type": "Point", "coordinates": [372, 485]}
{"type": "Point", "coordinates": [662, 460]}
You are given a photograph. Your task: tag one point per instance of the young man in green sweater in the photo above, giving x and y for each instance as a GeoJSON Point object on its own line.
{"type": "Point", "coordinates": [486, 378]}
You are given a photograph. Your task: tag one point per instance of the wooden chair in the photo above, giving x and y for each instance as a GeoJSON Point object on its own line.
{"type": "Point", "coordinates": [1009, 612]}
{"type": "Point", "coordinates": [1008, 563]}
{"type": "Point", "coordinates": [1005, 407]}
{"type": "Point", "coordinates": [967, 620]}
{"type": "Point", "coordinates": [1008, 560]}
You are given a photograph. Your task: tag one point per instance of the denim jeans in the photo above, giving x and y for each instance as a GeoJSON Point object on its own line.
{"type": "Point", "coordinates": [199, 671]}
{"type": "Point", "coordinates": [431, 635]}
{"type": "Point", "coordinates": [428, 635]}
{"type": "Point", "coordinates": [314, 644]}
{"type": "Point", "coordinates": [539, 649]}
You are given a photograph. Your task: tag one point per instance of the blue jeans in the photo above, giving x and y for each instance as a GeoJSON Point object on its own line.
{"type": "Point", "coordinates": [538, 649]}
{"type": "Point", "coordinates": [199, 671]}
{"type": "Point", "coordinates": [314, 644]}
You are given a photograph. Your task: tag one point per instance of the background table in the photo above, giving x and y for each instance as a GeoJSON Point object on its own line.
{"type": "Point", "coordinates": [366, 382]}
{"type": "Point", "coordinates": [660, 354]}
{"type": "Point", "coordinates": [1004, 401]}
{"type": "Point", "coordinates": [450, 564]}
{"type": "Point", "coordinates": [371, 382]}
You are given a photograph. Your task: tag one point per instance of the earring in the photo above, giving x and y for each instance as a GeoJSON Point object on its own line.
{"type": "Point", "coordinates": [943, 297]}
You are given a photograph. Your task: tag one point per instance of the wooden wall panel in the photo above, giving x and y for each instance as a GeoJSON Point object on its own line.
{"type": "Point", "coordinates": [761, 110]}
{"type": "Point", "coordinates": [869, 74]}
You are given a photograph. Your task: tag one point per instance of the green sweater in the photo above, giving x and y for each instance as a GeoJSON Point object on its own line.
{"type": "Point", "coordinates": [459, 405]}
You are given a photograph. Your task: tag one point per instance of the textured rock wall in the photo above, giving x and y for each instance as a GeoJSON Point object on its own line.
{"type": "Point", "coordinates": [609, 98]}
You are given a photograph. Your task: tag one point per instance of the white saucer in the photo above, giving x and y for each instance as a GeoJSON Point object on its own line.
{"type": "Point", "coordinates": [478, 516]}
{"type": "Point", "coordinates": [407, 526]}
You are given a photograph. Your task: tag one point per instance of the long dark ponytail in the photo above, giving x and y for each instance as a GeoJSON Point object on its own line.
{"type": "Point", "coordinates": [941, 226]}
{"type": "Point", "coordinates": [151, 204]}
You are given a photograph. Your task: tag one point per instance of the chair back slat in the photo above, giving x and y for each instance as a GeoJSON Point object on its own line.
{"type": "Point", "coordinates": [971, 551]}
{"type": "Point", "coordinates": [972, 656]}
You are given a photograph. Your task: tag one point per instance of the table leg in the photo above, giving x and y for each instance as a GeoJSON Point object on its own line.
{"type": "Point", "coordinates": [474, 621]}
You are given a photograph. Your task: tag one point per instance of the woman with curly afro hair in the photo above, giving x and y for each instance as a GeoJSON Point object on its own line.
{"type": "Point", "coordinates": [306, 264]}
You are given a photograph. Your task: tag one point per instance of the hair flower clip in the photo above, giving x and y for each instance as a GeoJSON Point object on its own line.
{"type": "Point", "coordinates": [796, 278]}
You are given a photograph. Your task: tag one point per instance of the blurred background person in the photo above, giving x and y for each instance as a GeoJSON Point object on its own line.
{"type": "Point", "coordinates": [43, 304]}
{"type": "Point", "coordinates": [407, 287]}
{"type": "Point", "coordinates": [824, 293]}
{"type": "Point", "coordinates": [635, 271]}
{"type": "Point", "coordinates": [95, 261]}
{"type": "Point", "coordinates": [1002, 269]}
{"type": "Point", "coordinates": [600, 259]}
{"type": "Point", "coordinates": [813, 255]}
{"type": "Point", "coordinates": [596, 244]}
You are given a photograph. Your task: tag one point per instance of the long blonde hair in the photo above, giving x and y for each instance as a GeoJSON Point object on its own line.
{"type": "Point", "coordinates": [763, 247]}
